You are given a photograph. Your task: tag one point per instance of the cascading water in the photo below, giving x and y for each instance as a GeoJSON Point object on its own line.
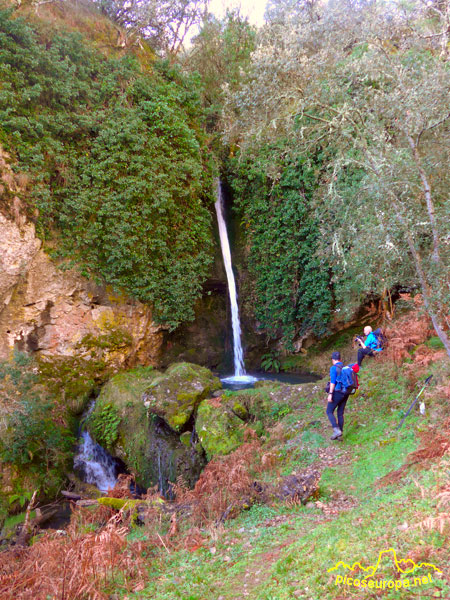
{"type": "Point", "coordinates": [92, 461]}
{"type": "Point", "coordinates": [239, 368]}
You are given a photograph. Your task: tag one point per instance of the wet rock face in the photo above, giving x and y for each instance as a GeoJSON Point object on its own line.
{"type": "Point", "coordinates": [175, 395]}
{"type": "Point", "coordinates": [205, 340]}
{"type": "Point", "coordinates": [168, 457]}
{"type": "Point", "coordinates": [48, 310]}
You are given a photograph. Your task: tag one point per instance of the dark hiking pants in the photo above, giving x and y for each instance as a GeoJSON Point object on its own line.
{"type": "Point", "coordinates": [339, 402]}
{"type": "Point", "coordinates": [362, 352]}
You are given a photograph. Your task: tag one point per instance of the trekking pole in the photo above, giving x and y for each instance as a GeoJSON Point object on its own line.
{"type": "Point", "coordinates": [427, 381]}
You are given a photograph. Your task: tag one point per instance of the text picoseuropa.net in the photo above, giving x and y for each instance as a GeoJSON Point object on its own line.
{"type": "Point", "coordinates": [382, 584]}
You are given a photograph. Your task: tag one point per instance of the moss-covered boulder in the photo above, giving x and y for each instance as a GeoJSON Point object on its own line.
{"type": "Point", "coordinates": [150, 449]}
{"type": "Point", "coordinates": [119, 420]}
{"type": "Point", "coordinates": [219, 429]}
{"type": "Point", "coordinates": [253, 404]}
{"type": "Point", "coordinates": [175, 395]}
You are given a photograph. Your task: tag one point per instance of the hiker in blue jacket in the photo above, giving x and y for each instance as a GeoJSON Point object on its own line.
{"type": "Point", "coordinates": [337, 398]}
{"type": "Point", "coordinates": [369, 346]}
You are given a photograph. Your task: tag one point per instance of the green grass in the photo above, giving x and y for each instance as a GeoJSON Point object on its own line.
{"type": "Point", "coordinates": [435, 343]}
{"type": "Point", "coordinates": [282, 552]}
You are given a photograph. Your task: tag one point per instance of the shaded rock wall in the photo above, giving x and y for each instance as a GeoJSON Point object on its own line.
{"type": "Point", "coordinates": [208, 339]}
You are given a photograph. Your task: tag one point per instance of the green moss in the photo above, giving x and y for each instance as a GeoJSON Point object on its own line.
{"type": "Point", "coordinates": [74, 379]}
{"type": "Point", "coordinates": [186, 438]}
{"type": "Point", "coordinates": [240, 410]}
{"type": "Point", "coordinates": [175, 395]}
{"type": "Point", "coordinates": [257, 404]}
{"type": "Point", "coordinates": [142, 443]}
{"type": "Point", "coordinates": [122, 395]}
{"type": "Point", "coordinates": [219, 429]}
{"type": "Point", "coordinates": [118, 503]}
{"type": "Point", "coordinates": [115, 338]}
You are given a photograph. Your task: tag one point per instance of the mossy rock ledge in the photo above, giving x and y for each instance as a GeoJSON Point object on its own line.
{"type": "Point", "coordinates": [175, 395]}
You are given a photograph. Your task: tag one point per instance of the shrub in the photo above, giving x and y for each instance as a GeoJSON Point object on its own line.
{"type": "Point", "coordinates": [36, 433]}
{"type": "Point", "coordinates": [269, 362]}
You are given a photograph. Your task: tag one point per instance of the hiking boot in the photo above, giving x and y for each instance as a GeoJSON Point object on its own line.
{"type": "Point", "coordinates": [337, 433]}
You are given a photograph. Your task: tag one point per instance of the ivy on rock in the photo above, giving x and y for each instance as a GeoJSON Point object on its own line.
{"type": "Point", "coordinates": [291, 289]}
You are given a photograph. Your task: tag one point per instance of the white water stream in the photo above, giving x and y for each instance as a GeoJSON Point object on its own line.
{"type": "Point", "coordinates": [239, 368]}
{"type": "Point", "coordinates": [95, 464]}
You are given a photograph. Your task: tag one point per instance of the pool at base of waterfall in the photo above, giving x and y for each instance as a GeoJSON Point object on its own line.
{"type": "Point", "coordinates": [242, 382]}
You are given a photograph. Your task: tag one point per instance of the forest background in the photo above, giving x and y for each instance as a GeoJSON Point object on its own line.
{"type": "Point", "coordinates": [330, 122]}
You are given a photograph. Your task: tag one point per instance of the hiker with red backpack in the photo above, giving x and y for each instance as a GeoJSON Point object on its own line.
{"type": "Point", "coordinates": [373, 343]}
{"type": "Point", "coordinates": [343, 382]}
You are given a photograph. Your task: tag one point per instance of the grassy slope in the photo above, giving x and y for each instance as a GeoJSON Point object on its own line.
{"type": "Point", "coordinates": [279, 551]}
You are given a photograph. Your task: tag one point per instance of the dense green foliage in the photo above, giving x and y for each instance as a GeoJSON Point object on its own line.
{"type": "Point", "coordinates": [35, 433]}
{"type": "Point", "coordinates": [118, 161]}
{"type": "Point", "coordinates": [291, 292]}
{"type": "Point", "coordinates": [105, 425]}
{"type": "Point", "coordinates": [366, 88]}
{"type": "Point", "coordinates": [221, 54]}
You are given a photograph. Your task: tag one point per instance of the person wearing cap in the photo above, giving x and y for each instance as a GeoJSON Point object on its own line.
{"type": "Point", "coordinates": [337, 399]}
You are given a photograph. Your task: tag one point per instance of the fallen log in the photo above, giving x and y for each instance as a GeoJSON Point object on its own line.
{"type": "Point", "coordinates": [71, 495]}
{"type": "Point", "coordinates": [31, 526]}
{"type": "Point", "coordinates": [87, 502]}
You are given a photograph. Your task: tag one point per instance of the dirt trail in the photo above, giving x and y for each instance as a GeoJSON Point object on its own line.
{"type": "Point", "coordinates": [259, 569]}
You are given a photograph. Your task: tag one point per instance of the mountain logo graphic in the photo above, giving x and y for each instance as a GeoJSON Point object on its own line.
{"type": "Point", "coordinates": [403, 565]}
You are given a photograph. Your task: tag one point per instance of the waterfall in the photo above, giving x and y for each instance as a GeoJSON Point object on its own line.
{"type": "Point", "coordinates": [239, 368]}
{"type": "Point", "coordinates": [92, 461]}
{"type": "Point", "coordinates": [95, 464]}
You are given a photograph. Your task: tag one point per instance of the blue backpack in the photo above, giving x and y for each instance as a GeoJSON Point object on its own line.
{"type": "Point", "coordinates": [381, 338]}
{"type": "Point", "coordinates": [347, 379]}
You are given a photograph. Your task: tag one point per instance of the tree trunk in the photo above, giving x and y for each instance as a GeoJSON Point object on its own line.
{"type": "Point", "coordinates": [427, 191]}
{"type": "Point", "coordinates": [426, 298]}
{"type": "Point", "coordinates": [422, 279]}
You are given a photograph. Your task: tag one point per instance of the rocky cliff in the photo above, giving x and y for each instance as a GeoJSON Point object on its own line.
{"type": "Point", "coordinates": [49, 310]}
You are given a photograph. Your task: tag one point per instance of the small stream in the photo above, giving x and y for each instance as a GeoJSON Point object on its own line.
{"type": "Point", "coordinates": [94, 464]}
{"type": "Point", "coordinates": [166, 457]}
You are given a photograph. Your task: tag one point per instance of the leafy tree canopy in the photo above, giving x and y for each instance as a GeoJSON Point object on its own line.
{"type": "Point", "coordinates": [366, 87]}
